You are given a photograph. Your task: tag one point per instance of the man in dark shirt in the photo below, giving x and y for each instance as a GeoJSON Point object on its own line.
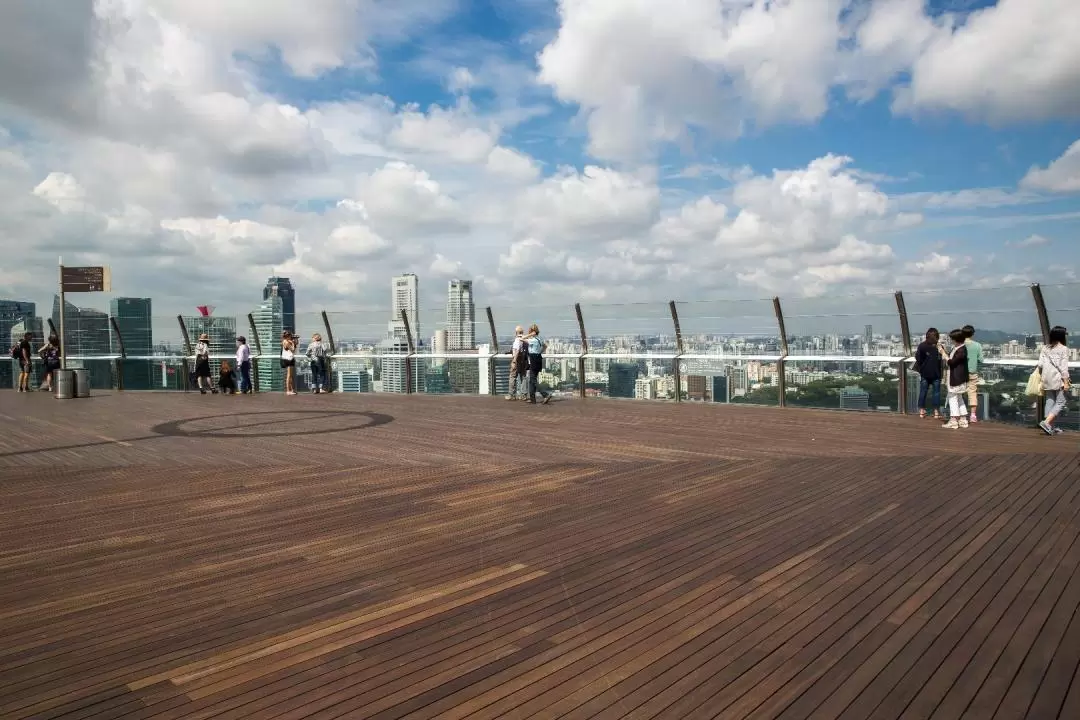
{"type": "Point", "coordinates": [25, 353]}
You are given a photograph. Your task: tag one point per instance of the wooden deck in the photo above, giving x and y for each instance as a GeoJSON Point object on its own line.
{"type": "Point", "coordinates": [364, 556]}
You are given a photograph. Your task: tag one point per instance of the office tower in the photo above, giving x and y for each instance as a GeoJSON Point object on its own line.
{"type": "Point", "coordinates": [719, 385]}
{"type": "Point", "coordinates": [868, 337]}
{"type": "Point", "coordinates": [12, 312]}
{"type": "Point", "coordinates": [133, 318]}
{"type": "Point", "coordinates": [87, 341]}
{"type": "Point", "coordinates": [695, 387]}
{"type": "Point", "coordinates": [621, 379]}
{"type": "Point", "coordinates": [394, 372]}
{"type": "Point", "coordinates": [502, 373]}
{"type": "Point", "coordinates": [405, 295]}
{"type": "Point", "coordinates": [222, 332]}
{"type": "Point", "coordinates": [645, 388]}
{"type": "Point", "coordinates": [356, 381]}
{"type": "Point", "coordinates": [282, 287]}
{"type": "Point", "coordinates": [269, 318]}
{"type": "Point", "coordinates": [460, 316]}
{"type": "Point", "coordinates": [439, 345]}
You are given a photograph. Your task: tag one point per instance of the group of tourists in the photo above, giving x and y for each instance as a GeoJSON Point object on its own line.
{"type": "Point", "coordinates": [526, 364]}
{"type": "Point", "coordinates": [959, 366]}
{"type": "Point", "coordinates": [317, 354]}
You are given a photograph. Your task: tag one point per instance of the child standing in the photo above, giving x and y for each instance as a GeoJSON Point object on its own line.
{"type": "Point", "coordinates": [958, 381]}
{"type": "Point", "coordinates": [974, 360]}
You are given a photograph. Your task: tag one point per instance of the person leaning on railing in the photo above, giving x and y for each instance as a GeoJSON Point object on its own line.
{"type": "Point", "coordinates": [928, 361]}
{"type": "Point", "coordinates": [536, 347]}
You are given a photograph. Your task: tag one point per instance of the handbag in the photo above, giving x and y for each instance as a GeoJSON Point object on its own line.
{"type": "Point", "coordinates": [1034, 383]}
{"type": "Point", "coordinates": [287, 355]}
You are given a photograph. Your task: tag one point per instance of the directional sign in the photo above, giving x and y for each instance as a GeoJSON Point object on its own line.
{"type": "Point", "coordinates": [85, 279]}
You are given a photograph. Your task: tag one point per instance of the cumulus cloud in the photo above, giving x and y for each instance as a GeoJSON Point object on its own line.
{"type": "Point", "coordinates": [1062, 175]}
{"type": "Point", "coordinates": [646, 73]}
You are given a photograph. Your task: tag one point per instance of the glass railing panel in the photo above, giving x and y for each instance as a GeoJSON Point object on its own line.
{"type": "Point", "coordinates": [843, 385]}
{"type": "Point", "coordinates": [726, 380]}
{"type": "Point", "coordinates": [629, 328]}
{"type": "Point", "coordinates": [640, 376]}
{"type": "Point", "coordinates": [558, 325]}
{"type": "Point", "coordinates": [1063, 307]}
{"type": "Point", "coordinates": [1005, 319]}
{"type": "Point", "coordinates": [729, 327]}
{"type": "Point", "coordinates": [865, 324]}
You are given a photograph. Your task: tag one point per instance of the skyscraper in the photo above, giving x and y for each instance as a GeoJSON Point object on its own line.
{"type": "Point", "coordinates": [222, 333]}
{"type": "Point", "coordinates": [405, 295]}
{"type": "Point", "coordinates": [133, 317]}
{"type": "Point", "coordinates": [282, 287]}
{"type": "Point", "coordinates": [460, 316]}
{"type": "Point", "coordinates": [621, 379]}
{"type": "Point", "coordinates": [12, 312]}
{"type": "Point", "coordinates": [269, 324]}
{"type": "Point", "coordinates": [87, 341]}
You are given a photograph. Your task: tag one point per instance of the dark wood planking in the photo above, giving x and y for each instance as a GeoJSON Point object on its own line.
{"type": "Point", "coordinates": [685, 504]}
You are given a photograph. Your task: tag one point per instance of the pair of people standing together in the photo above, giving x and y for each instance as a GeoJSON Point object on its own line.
{"type": "Point", "coordinates": [527, 361]}
{"type": "Point", "coordinates": [317, 355]}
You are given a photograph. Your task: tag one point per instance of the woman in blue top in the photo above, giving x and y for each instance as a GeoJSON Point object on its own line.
{"type": "Point", "coordinates": [536, 347]}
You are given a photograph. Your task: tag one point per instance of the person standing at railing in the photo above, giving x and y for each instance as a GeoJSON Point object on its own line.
{"type": "Point", "coordinates": [928, 361]}
{"type": "Point", "coordinates": [316, 353]}
{"type": "Point", "coordinates": [288, 361]}
{"type": "Point", "coordinates": [519, 365]}
{"type": "Point", "coordinates": [1054, 369]}
{"type": "Point", "coordinates": [243, 363]}
{"type": "Point", "coordinates": [975, 357]}
{"type": "Point", "coordinates": [202, 365]}
{"type": "Point", "coordinates": [50, 355]}
{"type": "Point", "coordinates": [958, 382]}
{"type": "Point", "coordinates": [536, 347]}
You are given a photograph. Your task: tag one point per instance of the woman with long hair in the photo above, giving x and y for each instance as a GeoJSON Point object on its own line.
{"type": "Point", "coordinates": [1054, 368]}
{"type": "Point", "coordinates": [288, 361]}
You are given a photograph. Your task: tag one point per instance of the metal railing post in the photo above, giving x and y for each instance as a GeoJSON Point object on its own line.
{"type": "Point", "coordinates": [905, 334]}
{"type": "Point", "coordinates": [411, 350]}
{"type": "Point", "coordinates": [188, 352]}
{"type": "Point", "coordinates": [494, 351]}
{"type": "Point", "coordinates": [328, 370]}
{"type": "Point", "coordinates": [676, 363]}
{"type": "Point", "coordinates": [119, 361]}
{"type": "Point", "coordinates": [781, 364]}
{"type": "Point", "coordinates": [1044, 327]}
{"type": "Point", "coordinates": [584, 350]}
{"type": "Point", "coordinates": [258, 352]}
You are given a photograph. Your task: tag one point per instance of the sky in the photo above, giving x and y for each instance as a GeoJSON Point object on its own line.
{"type": "Point", "coordinates": [593, 151]}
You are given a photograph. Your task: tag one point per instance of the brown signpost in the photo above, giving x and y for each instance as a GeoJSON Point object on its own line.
{"type": "Point", "coordinates": [85, 279]}
{"type": "Point", "coordinates": [79, 279]}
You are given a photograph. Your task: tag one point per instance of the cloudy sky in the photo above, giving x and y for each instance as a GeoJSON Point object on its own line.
{"type": "Point", "coordinates": [602, 150]}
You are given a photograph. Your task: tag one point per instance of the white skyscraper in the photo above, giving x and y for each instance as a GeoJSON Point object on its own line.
{"type": "Point", "coordinates": [460, 316]}
{"type": "Point", "coordinates": [405, 295]}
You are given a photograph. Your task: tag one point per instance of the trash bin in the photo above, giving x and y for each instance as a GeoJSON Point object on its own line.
{"type": "Point", "coordinates": [65, 384]}
{"type": "Point", "coordinates": [82, 383]}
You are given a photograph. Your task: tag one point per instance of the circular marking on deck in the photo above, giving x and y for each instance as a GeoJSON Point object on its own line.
{"type": "Point", "coordinates": [282, 423]}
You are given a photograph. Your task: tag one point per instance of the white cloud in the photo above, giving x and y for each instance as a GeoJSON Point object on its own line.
{"type": "Point", "coordinates": [1062, 175]}
{"type": "Point", "coordinates": [62, 191]}
{"type": "Point", "coordinates": [512, 165]}
{"type": "Point", "coordinates": [403, 199]}
{"type": "Point", "coordinates": [443, 267]}
{"type": "Point", "coordinates": [450, 134]}
{"type": "Point", "coordinates": [1031, 241]}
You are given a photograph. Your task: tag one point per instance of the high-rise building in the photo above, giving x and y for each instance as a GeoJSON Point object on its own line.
{"type": "Point", "coordinates": [645, 388]}
{"type": "Point", "coordinates": [621, 379]}
{"type": "Point", "coordinates": [133, 318]}
{"type": "Point", "coordinates": [695, 387]}
{"type": "Point", "coordinates": [12, 312]}
{"type": "Point", "coordinates": [460, 316]}
{"type": "Point", "coordinates": [501, 371]}
{"type": "Point", "coordinates": [394, 372]}
{"type": "Point", "coordinates": [269, 318]}
{"type": "Point", "coordinates": [405, 296]}
{"type": "Point", "coordinates": [719, 386]}
{"type": "Point", "coordinates": [357, 381]}
{"type": "Point", "coordinates": [282, 287]}
{"type": "Point", "coordinates": [87, 341]}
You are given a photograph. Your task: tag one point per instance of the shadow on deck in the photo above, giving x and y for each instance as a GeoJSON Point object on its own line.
{"type": "Point", "coordinates": [181, 556]}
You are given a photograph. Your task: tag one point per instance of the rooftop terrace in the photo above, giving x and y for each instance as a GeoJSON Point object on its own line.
{"type": "Point", "coordinates": [182, 556]}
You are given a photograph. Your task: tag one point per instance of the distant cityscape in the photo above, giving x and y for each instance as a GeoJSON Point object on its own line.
{"type": "Point", "coordinates": [741, 371]}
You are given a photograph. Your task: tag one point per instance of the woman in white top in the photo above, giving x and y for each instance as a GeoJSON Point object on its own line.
{"type": "Point", "coordinates": [1054, 368]}
{"type": "Point", "coordinates": [288, 361]}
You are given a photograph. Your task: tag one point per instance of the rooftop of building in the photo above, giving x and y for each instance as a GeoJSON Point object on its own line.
{"type": "Point", "coordinates": [172, 555]}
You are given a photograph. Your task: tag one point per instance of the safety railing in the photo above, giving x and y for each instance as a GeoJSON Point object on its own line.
{"type": "Point", "coordinates": [851, 352]}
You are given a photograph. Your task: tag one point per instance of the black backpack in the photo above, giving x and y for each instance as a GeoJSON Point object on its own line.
{"type": "Point", "coordinates": [522, 358]}
{"type": "Point", "coordinates": [16, 352]}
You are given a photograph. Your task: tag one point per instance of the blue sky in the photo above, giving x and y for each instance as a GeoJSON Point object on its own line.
{"type": "Point", "coordinates": [592, 149]}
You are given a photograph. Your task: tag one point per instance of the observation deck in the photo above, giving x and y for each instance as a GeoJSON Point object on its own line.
{"type": "Point", "coordinates": [172, 555]}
